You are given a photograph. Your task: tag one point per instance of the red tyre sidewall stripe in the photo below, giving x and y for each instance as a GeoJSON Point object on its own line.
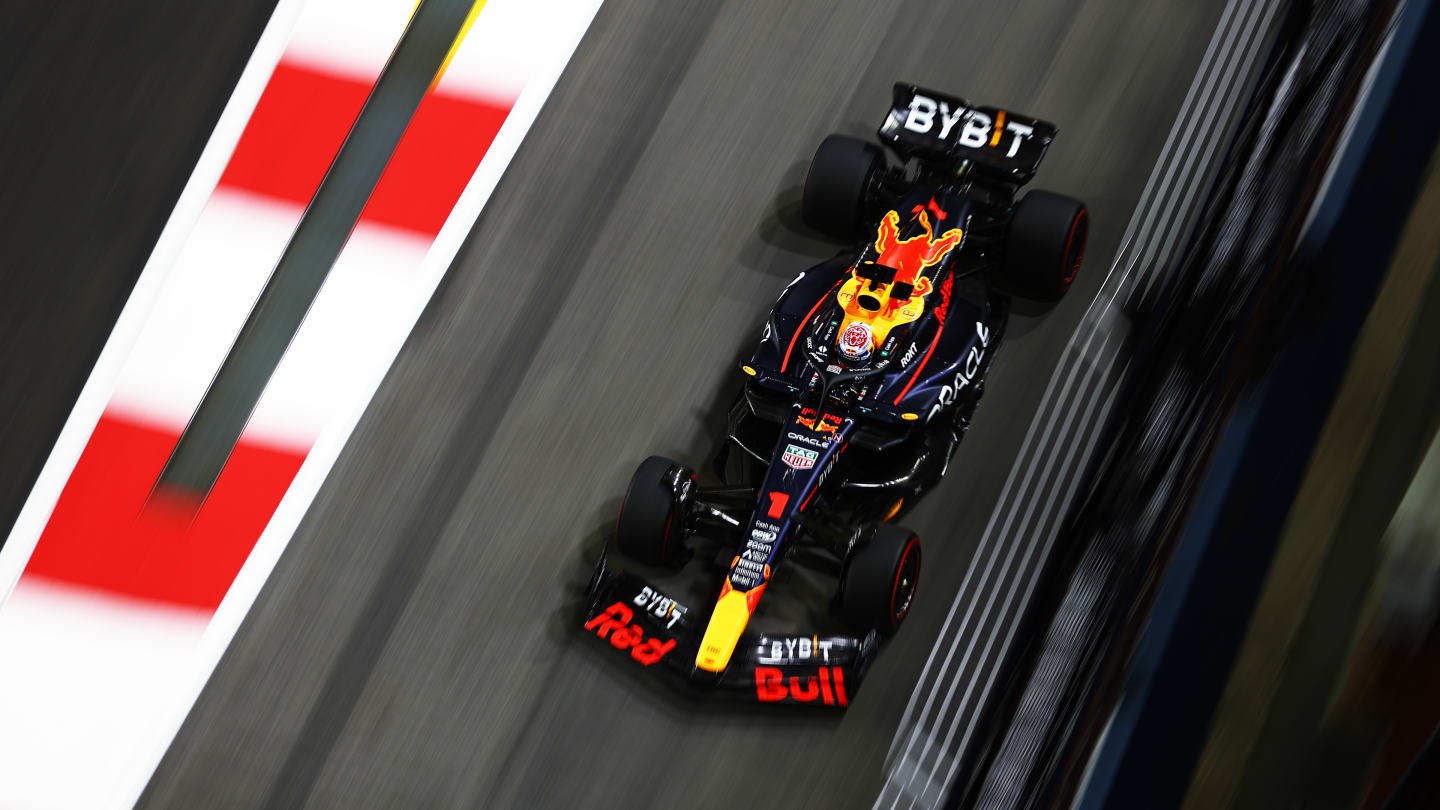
{"type": "Point", "coordinates": [1075, 267]}
{"type": "Point", "coordinates": [786, 361]}
{"type": "Point", "coordinates": [895, 586]}
{"type": "Point", "coordinates": [923, 361]}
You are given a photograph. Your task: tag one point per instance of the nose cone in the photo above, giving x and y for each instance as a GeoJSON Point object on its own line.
{"type": "Point", "coordinates": [732, 613]}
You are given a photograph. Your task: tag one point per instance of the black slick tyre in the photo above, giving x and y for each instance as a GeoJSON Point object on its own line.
{"type": "Point", "coordinates": [878, 584]}
{"type": "Point", "coordinates": [647, 528]}
{"type": "Point", "coordinates": [840, 174]}
{"type": "Point", "coordinates": [1045, 245]}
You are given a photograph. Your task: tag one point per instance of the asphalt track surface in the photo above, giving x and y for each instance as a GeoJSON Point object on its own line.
{"type": "Point", "coordinates": [417, 645]}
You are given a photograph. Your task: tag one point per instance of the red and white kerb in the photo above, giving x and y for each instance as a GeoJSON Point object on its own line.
{"type": "Point", "coordinates": [118, 605]}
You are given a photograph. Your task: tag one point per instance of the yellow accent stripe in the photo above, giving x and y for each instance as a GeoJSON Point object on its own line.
{"type": "Point", "coordinates": [731, 615]}
{"type": "Point", "coordinates": [999, 127]}
{"type": "Point", "coordinates": [460, 37]}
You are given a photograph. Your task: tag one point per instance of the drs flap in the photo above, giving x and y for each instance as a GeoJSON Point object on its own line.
{"type": "Point", "coordinates": [932, 125]}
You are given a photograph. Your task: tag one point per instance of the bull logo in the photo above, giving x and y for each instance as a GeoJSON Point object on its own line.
{"type": "Point", "coordinates": [893, 291]}
{"type": "Point", "coordinates": [911, 256]}
{"type": "Point", "coordinates": [829, 424]}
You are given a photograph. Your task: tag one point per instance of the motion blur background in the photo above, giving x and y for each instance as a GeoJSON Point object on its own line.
{"type": "Point", "coordinates": [415, 645]}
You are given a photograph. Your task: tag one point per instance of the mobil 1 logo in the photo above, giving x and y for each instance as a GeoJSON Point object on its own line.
{"type": "Point", "coordinates": [749, 567]}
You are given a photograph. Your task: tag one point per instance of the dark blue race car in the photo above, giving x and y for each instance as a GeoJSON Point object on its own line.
{"type": "Point", "coordinates": [866, 377]}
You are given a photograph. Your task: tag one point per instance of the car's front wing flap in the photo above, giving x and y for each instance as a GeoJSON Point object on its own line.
{"type": "Point", "coordinates": [654, 630]}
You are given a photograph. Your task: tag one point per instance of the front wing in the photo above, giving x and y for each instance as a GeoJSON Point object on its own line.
{"type": "Point", "coordinates": [657, 632]}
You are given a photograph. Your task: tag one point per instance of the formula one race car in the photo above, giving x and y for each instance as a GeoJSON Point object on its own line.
{"type": "Point", "coordinates": [867, 374]}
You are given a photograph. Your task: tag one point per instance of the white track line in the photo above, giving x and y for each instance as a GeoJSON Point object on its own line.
{"type": "Point", "coordinates": [1029, 587]}
{"type": "Point", "coordinates": [1051, 414]}
{"type": "Point", "coordinates": [541, 36]}
{"type": "Point", "coordinates": [1040, 533]}
{"type": "Point", "coordinates": [323, 454]}
{"type": "Point", "coordinates": [1025, 561]}
{"type": "Point", "coordinates": [1207, 156]}
{"type": "Point", "coordinates": [1146, 272]}
{"type": "Point", "coordinates": [1111, 282]}
{"type": "Point", "coordinates": [1185, 127]}
{"type": "Point", "coordinates": [1126, 241]}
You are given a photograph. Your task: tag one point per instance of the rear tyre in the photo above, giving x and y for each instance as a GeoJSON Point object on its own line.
{"type": "Point", "coordinates": [1045, 245]}
{"type": "Point", "coordinates": [835, 187]}
{"type": "Point", "coordinates": [878, 584]}
{"type": "Point", "coordinates": [648, 527]}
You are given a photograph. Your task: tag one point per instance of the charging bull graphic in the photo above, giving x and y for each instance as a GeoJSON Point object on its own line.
{"type": "Point", "coordinates": [911, 256]}
{"type": "Point", "coordinates": [891, 290]}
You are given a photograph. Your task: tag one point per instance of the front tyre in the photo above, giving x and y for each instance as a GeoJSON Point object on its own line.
{"type": "Point", "coordinates": [648, 528]}
{"type": "Point", "coordinates": [1045, 245]}
{"type": "Point", "coordinates": [878, 584]}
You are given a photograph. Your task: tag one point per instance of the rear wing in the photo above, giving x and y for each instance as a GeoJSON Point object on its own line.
{"type": "Point", "coordinates": [935, 126]}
